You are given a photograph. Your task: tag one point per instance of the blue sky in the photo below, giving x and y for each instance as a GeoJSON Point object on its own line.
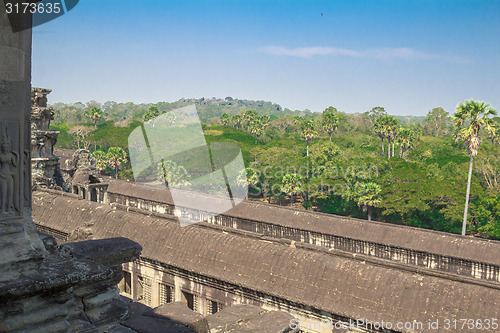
{"type": "Point", "coordinates": [407, 56]}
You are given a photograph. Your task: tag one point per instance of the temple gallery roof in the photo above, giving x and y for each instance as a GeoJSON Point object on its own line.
{"type": "Point", "coordinates": [417, 239]}
{"type": "Point", "coordinates": [348, 287]}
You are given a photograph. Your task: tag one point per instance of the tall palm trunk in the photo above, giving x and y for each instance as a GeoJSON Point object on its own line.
{"type": "Point", "coordinates": [393, 148]}
{"type": "Point", "coordinates": [464, 225]}
{"type": "Point", "coordinates": [369, 209]}
{"type": "Point", "coordinates": [307, 149]}
{"type": "Point", "coordinates": [383, 150]}
{"type": "Point", "coordinates": [389, 149]}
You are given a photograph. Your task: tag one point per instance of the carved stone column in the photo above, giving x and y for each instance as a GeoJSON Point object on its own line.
{"type": "Point", "coordinates": [42, 291]}
{"type": "Point", "coordinates": [18, 237]}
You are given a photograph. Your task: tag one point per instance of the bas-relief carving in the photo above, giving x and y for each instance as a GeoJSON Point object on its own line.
{"type": "Point", "coordinates": [9, 171]}
{"type": "Point", "coordinates": [27, 176]}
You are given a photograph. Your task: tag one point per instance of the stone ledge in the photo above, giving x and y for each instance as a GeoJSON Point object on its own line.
{"type": "Point", "coordinates": [52, 274]}
{"type": "Point", "coordinates": [109, 252]}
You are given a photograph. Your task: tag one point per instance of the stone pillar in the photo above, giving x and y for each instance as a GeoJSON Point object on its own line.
{"type": "Point", "coordinates": [42, 291]}
{"type": "Point", "coordinates": [134, 281]}
{"type": "Point", "coordinates": [17, 229]}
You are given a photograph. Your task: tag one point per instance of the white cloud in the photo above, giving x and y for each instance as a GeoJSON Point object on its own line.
{"type": "Point", "coordinates": [398, 53]}
{"type": "Point", "coordinates": [306, 52]}
{"type": "Point", "coordinates": [384, 53]}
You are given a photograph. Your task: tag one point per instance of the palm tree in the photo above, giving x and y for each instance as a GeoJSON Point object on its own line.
{"type": "Point", "coordinates": [391, 125]}
{"type": "Point", "coordinates": [224, 119]}
{"type": "Point", "coordinates": [329, 122]}
{"type": "Point", "coordinates": [291, 184]}
{"type": "Point", "coordinates": [308, 132]}
{"type": "Point", "coordinates": [249, 177]}
{"type": "Point", "coordinates": [152, 113]}
{"type": "Point", "coordinates": [469, 119]}
{"type": "Point", "coordinates": [256, 128]}
{"type": "Point", "coordinates": [265, 120]}
{"type": "Point", "coordinates": [115, 157]}
{"type": "Point", "coordinates": [379, 128]}
{"type": "Point", "coordinates": [172, 174]}
{"type": "Point", "coordinates": [94, 114]}
{"type": "Point", "coordinates": [406, 138]}
{"type": "Point", "coordinates": [248, 116]}
{"type": "Point", "coordinates": [236, 120]}
{"type": "Point", "coordinates": [100, 159]}
{"type": "Point", "coordinates": [370, 197]}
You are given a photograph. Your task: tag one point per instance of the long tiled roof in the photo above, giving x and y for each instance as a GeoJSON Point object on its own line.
{"type": "Point", "coordinates": [348, 287]}
{"type": "Point", "coordinates": [417, 239]}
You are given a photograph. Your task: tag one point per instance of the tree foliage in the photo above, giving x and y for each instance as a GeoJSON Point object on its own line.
{"type": "Point", "coordinates": [329, 122]}
{"type": "Point", "coordinates": [152, 113]}
{"type": "Point", "coordinates": [470, 119]}
{"type": "Point", "coordinates": [307, 132]}
{"type": "Point", "coordinates": [94, 114]}
{"type": "Point", "coordinates": [291, 184]}
{"type": "Point", "coordinates": [426, 188]}
{"type": "Point", "coordinates": [115, 157]}
{"type": "Point", "coordinates": [436, 122]}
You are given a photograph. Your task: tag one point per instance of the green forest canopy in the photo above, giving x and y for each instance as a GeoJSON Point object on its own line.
{"type": "Point", "coordinates": [418, 169]}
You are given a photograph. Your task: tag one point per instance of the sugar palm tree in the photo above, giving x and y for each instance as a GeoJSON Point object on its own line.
{"type": "Point", "coordinates": [115, 157]}
{"type": "Point", "coordinates": [249, 177]}
{"type": "Point", "coordinates": [406, 138]}
{"type": "Point", "coordinates": [224, 119]}
{"type": "Point", "coordinates": [236, 120]}
{"type": "Point", "coordinates": [469, 119]}
{"type": "Point", "coordinates": [370, 197]}
{"type": "Point", "coordinates": [307, 132]}
{"type": "Point", "coordinates": [152, 113]}
{"type": "Point", "coordinates": [248, 116]}
{"type": "Point", "coordinates": [100, 159]}
{"type": "Point", "coordinates": [256, 128]}
{"type": "Point", "coordinates": [94, 114]}
{"type": "Point", "coordinates": [291, 184]}
{"type": "Point", "coordinates": [265, 120]}
{"type": "Point", "coordinates": [329, 122]}
{"type": "Point", "coordinates": [174, 175]}
{"type": "Point", "coordinates": [379, 129]}
{"type": "Point", "coordinates": [391, 125]}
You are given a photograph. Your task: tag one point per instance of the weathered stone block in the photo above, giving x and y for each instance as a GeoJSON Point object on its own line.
{"type": "Point", "coordinates": [110, 252]}
{"type": "Point", "coordinates": [248, 318]}
{"type": "Point", "coordinates": [101, 299]}
{"type": "Point", "coordinates": [144, 324]}
{"type": "Point", "coordinates": [120, 329]}
{"type": "Point", "coordinates": [180, 313]}
{"type": "Point", "coordinates": [49, 242]}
